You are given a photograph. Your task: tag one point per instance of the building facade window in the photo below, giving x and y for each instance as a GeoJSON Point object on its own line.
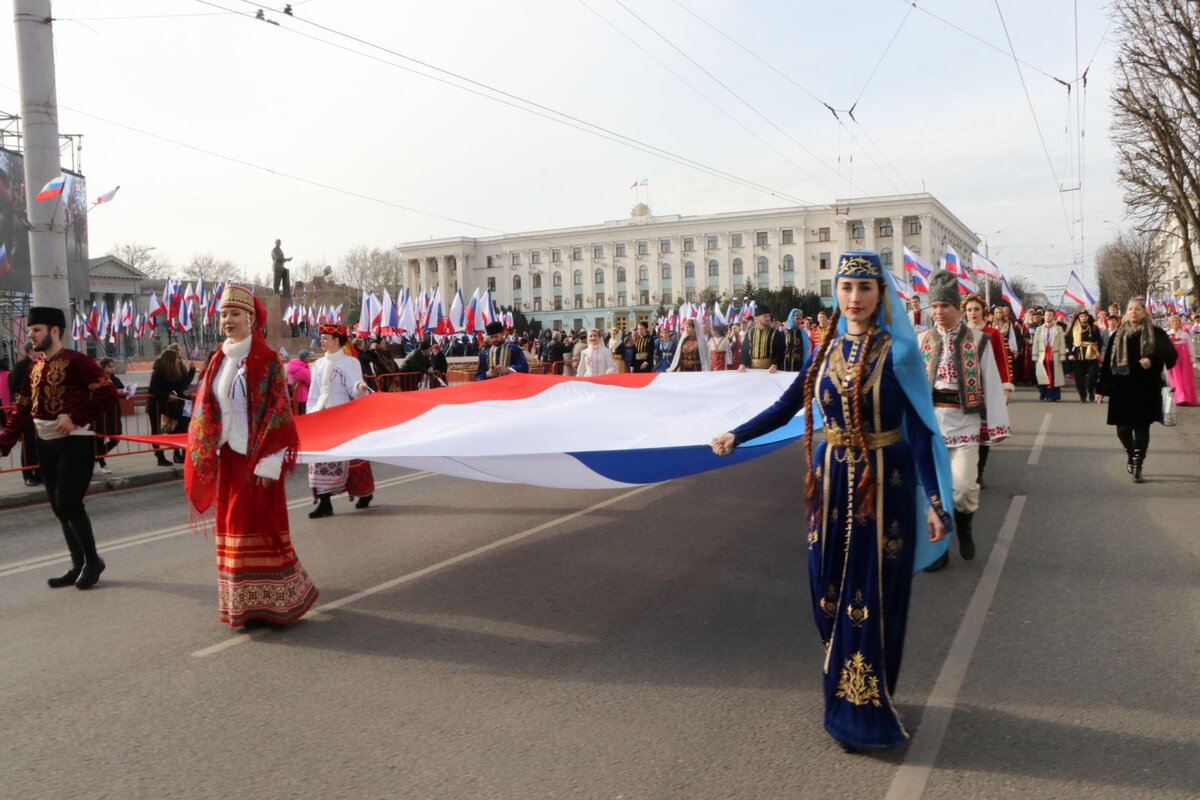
{"type": "Point", "coordinates": [599, 300]}
{"type": "Point", "coordinates": [825, 260]}
{"type": "Point", "coordinates": [644, 297]}
{"type": "Point", "coordinates": [885, 228]}
{"type": "Point", "coordinates": [914, 227]}
{"type": "Point", "coordinates": [579, 301]}
{"type": "Point", "coordinates": [535, 257]}
{"type": "Point", "coordinates": [822, 234]}
{"type": "Point", "coordinates": [516, 259]}
{"type": "Point", "coordinates": [787, 236]}
{"type": "Point", "coordinates": [664, 245]}
{"type": "Point", "coordinates": [491, 284]}
{"type": "Point", "coordinates": [666, 272]}
{"type": "Point", "coordinates": [598, 277]}
{"type": "Point", "coordinates": [737, 266]}
{"type": "Point", "coordinates": [885, 255]}
{"type": "Point", "coordinates": [556, 256]}
{"type": "Point", "coordinates": [763, 265]}
{"type": "Point", "coordinates": [789, 264]}
{"type": "Point", "coordinates": [760, 238]}
{"type": "Point", "coordinates": [643, 273]}
{"type": "Point", "coordinates": [558, 302]}
{"type": "Point", "coordinates": [712, 243]}
{"type": "Point", "coordinates": [516, 283]}
{"type": "Point", "coordinates": [735, 240]}
{"type": "Point", "coordinates": [577, 277]}
{"type": "Point", "coordinates": [597, 251]}
{"type": "Point", "coordinates": [557, 280]}
{"type": "Point", "coordinates": [857, 230]}
{"type": "Point", "coordinates": [826, 288]}
{"type": "Point", "coordinates": [689, 270]}
{"type": "Point", "coordinates": [620, 298]}
{"type": "Point", "coordinates": [689, 244]}
{"type": "Point", "coordinates": [576, 253]}
{"type": "Point", "coordinates": [643, 248]}
{"type": "Point", "coordinates": [620, 274]}
{"type": "Point", "coordinates": [714, 269]}
{"type": "Point", "coordinates": [621, 250]}
{"type": "Point", "coordinates": [537, 280]}
{"type": "Point", "coordinates": [537, 304]}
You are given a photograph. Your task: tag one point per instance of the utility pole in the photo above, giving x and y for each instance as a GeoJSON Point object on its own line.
{"type": "Point", "coordinates": [39, 125]}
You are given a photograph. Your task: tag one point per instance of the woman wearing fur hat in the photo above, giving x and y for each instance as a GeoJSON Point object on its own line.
{"type": "Point", "coordinates": [241, 442]}
{"type": "Point", "coordinates": [336, 379]}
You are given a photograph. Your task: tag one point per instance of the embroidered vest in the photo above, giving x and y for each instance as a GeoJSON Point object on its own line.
{"type": "Point", "coordinates": [969, 347]}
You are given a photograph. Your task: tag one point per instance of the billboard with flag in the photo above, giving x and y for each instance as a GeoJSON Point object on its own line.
{"type": "Point", "coordinates": [71, 206]}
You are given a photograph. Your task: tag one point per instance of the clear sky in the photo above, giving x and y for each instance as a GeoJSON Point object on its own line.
{"type": "Point", "coordinates": [943, 110]}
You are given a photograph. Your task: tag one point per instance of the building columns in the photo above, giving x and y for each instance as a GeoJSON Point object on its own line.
{"type": "Point", "coordinates": [868, 224]}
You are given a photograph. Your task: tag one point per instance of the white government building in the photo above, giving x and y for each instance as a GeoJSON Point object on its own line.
{"type": "Point", "coordinates": [618, 273]}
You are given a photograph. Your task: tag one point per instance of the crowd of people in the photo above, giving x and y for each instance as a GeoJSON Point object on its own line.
{"type": "Point", "coordinates": [912, 400]}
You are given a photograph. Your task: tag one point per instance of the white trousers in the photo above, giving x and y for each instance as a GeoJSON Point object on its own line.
{"type": "Point", "coordinates": [964, 469]}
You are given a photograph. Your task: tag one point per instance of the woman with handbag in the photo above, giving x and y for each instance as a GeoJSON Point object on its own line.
{"type": "Point", "coordinates": [241, 443]}
{"type": "Point", "coordinates": [1131, 377]}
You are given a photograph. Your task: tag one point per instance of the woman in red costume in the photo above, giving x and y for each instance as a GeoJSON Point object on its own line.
{"type": "Point", "coordinates": [241, 440]}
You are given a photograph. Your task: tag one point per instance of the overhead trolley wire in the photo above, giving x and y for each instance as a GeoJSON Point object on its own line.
{"type": "Point", "coordinates": [516, 101]}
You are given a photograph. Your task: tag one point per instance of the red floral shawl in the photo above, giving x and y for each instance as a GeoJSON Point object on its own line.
{"type": "Point", "coordinates": [271, 425]}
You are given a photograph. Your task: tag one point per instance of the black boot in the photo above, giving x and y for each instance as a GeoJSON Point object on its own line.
{"type": "Point", "coordinates": [162, 459]}
{"type": "Point", "coordinates": [90, 573]}
{"type": "Point", "coordinates": [324, 507]}
{"type": "Point", "coordinates": [1129, 460]}
{"type": "Point", "coordinates": [984, 452]}
{"type": "Point", "coordinates": [363, 502]}
{"type": "Point", "coordinates": [1139, 457]}
{"type": "Point", "coordinates": [69, 577]}
{"type": "Point", "coordinates": [940, 563]}
{"type": "Point", "coordinates": [966, 541]}
{"type": "Point", "coordinates": [178, 456]}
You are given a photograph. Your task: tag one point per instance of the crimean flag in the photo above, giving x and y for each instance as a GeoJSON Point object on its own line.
{"type": "Point", "coordinates": [108, 196]}
{"type": "Point", "coordinates": [5, 263]}
{"type": "Point", "coordinates": [1009, 296]}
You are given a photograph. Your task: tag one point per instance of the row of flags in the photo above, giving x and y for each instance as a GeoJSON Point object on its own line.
{"type": "Point", "coordinates": [702, 312]}
{"type": "Point", "coordinates": [1162, 306]}
{"type": "Point", "coordinates": [919, 272]}
{"type": "Point", "coordinates": [56, 187]}
{"type": "Point", "coordinates": [424, 313]}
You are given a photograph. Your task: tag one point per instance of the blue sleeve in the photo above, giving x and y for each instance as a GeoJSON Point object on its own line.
{"type": "Point", "coordinates": [517, 362]}
{"type": "Point", "coordinates": [779, 350]}
{"type": "Point", "coordinates": [778, 415]}
{"type": "Point", "coordinates": [481, 373]}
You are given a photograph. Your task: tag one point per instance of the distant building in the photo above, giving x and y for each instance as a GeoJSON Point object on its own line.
{"type": "Point", "coordinates": [620, 272]}
{"type": "Point", "coordinates": [1176, 279]}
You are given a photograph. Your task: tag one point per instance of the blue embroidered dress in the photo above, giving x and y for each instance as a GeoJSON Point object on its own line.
{"type": "Point", "coordinates": [860, 569]}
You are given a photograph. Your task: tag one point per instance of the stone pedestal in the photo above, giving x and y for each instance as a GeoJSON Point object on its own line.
{"type": "Point", "coordinates": [278, 332]}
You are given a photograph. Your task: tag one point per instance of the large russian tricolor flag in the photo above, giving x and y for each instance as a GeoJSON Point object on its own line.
{"type": "Point", "coordinates": [545, 430]}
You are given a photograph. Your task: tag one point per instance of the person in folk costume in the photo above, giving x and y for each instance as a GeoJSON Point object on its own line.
{"type": "Point", "coordinates": [1084, 344]}
{"type": "Point", "coordinates": [1029, 327]}
{"type": "Point", "coordinates": [337, 378]}
{"type": "Point", "coordinates": [242, 441]}
{"type": "Point", "coordinates": [61, 394]}
{"type": "Point", "coordinates": [1131, 379]}
{"type": "Point", "coordinates": [972, 307]}
{"type": "Point", "coordinates": [821, 331]}
{"type": "Point", "coordinates": [1048, 349]}
{"type": "Point", "coordinates": [500, 357]}
{"type": "Point", "coordinates": [595, 359]}
{"type": "Point", "coordinates": [968, 398]}
{"type": "Point", "coordinates": [1182, 376]}
{"type": "Point", "coordinates": [1003, 322]}
{"type": "Point", "coordinates": [691, 355]}
{"type": "Point", "coordinates": [719, 356]}
{"type": "Point", "coordinates": [878, 481]}
{"type": "Point", "coordinates": [765, 345]}
{"type": "Point", "coordinates": [797, 346]}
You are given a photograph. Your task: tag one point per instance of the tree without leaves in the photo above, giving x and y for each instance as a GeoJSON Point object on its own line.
{"type": "Point", "coordinates": [142, 258]}
{"type": "Point", "coordinates": [373, 269]}
{"type": "Point", "coordinates": [213, 269]}
{"type": "Point", "coordinates": [1156, 122]}
{"type": "Point", "coordinates": [1130, 265]}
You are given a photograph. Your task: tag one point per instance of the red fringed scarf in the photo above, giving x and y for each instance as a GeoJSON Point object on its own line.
{"type": "Point", "coordinates": [270, 423]}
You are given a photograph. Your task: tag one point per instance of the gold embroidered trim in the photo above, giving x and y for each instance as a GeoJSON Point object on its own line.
{"type": "Point", "coordinates": [857, 684]}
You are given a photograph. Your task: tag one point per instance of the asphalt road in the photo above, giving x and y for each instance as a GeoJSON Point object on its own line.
{"type": "Point", "coordinates": [487, 641]}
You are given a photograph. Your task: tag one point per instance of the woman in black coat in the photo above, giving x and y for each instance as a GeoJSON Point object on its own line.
{"type": "Point", "coordinates": [1131, 378]}
{"type": "Point", "coordinates": [170, 383]}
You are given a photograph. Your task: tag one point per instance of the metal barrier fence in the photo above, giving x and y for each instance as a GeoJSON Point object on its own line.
{"type": "Point", "coordinates": [135, 421]}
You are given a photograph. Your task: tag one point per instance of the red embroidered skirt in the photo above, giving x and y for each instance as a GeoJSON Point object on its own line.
{"type": "Point", "coordinates": [354, 477]}
{"type": "Point", "coordinates": [258, 573]}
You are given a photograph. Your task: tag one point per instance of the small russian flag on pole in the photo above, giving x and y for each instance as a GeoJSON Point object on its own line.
{"type": "Point", "coordinates": [52, 189]}
{"type": "Point", "coordinates": [108, 196]}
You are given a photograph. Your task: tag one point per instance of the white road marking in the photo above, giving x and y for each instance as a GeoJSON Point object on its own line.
{"type": "Point", "coordinates": [1035, 454]}
{"type": "Point", "coordinates": [17, 567]}
{"type": "Point", "coordinates": [421, 573]}
{"type": "Point", "coordinates": [910, 780]}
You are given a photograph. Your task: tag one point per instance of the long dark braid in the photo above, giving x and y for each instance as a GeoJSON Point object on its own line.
{"type": "Point", "coordinates": [810, 481]}
{"type": "Point", "coordinates": [866, 483]}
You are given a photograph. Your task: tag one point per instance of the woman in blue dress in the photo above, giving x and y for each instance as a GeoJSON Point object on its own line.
{"type": "Point", "coordinates": [879, 479]}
